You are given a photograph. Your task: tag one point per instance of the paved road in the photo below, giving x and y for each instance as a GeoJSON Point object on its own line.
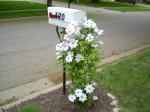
{"type": "Point", "coordinates": [27, 45]}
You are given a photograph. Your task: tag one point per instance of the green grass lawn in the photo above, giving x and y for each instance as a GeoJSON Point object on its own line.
{"type": "Point", "coordinates": [129, 80]}
{"type": "Point", "coordinates": [7, 15]}
{"type": "Point", "coordinates": [30, 108]}
{"type": "Point", "coordinates": [21, 6]}
{"type": "Point", "coordinates": [129, 9]}
{"type": "Point", "coordinates": [125, 7]}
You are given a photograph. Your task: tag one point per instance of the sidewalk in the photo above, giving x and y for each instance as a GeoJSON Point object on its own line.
{"type": "Point", "coordinates": [87, 8]}
{"type": "Point", "coordinates": [145, 5]}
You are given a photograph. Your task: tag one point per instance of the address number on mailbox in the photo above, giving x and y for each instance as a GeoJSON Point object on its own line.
{"type": "Point", "coordinates": [57, 15]}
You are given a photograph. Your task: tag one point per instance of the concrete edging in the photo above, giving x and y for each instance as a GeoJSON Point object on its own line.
{"type": "Point", "coordinates": [32, 96]}
{"type": "Point", "coordinates": [123, 55]}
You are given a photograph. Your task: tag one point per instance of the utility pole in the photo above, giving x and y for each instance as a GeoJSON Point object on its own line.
{"type": "Point", "coordinates": [49, 3]}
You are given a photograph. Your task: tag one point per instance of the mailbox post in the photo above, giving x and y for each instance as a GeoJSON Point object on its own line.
{"type": "Point", "coordinates": [49, 3]}
{"type": "Point", "coordinates": [61, 17]}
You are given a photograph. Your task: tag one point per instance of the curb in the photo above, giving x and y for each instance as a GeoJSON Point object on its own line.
{"type": "Point", "coordinates": [22, 18]}
{"type": "Point", "coordinates": [114, 58]}
{"type": "Point", "coordinates": [104, 61]}
{"type": "Point", "coordinates": [32, 96]}
{"type": "Point", "coordinates": [24, 10]}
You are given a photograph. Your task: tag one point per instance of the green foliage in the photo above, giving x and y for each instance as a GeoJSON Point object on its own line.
{"type": "Point", "coordinates": [20, 5]}
{"type": "Point", "coordinates": [76, 71]}
{"type": "Point", "coordinates": [81, 71]}
{"type": "Point", "coordinates": [6, 15]}
{"type": "Point", "coordinates": [16, 9]}
{"type": "Point", "coordinates": [129, 79]}
{"type": "Point", "coordinates": [30, 108]}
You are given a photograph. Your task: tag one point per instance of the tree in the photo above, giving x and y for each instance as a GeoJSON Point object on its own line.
{"type": "Point", "coordinates": [49, 3]}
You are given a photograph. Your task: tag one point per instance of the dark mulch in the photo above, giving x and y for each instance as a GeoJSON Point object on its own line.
{"type": "Point", "coordinates": [57, 102]}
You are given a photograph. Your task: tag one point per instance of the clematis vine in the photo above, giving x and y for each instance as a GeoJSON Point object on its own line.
{"type": "Point", "coordinates": [80, 50]}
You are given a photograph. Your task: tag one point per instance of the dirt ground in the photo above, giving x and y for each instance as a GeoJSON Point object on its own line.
{"type": "Point", "coordinates": [57, 102]}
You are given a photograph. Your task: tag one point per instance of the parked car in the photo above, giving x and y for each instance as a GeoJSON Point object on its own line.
{"type": "Point", "coordinates": [127, 1]}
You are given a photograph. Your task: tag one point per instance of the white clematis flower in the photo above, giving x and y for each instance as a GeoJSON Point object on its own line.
{"type": "Point", "coordinates": [77, 31]}
{"type": "Point", "coordinates": [94, 45]}
{"type": "Point", "coordinates": [59, 47]}
{"type": "Point", "coordinates": [90, 24]}
{"type": "Point", "coordinates": [67, 37]}
{"type": "Point", "coordinates": [83, 98]}
{"type": "Point", "coordinates": [65, 46]}
{"type": "Point", "coordinates": [72, 98]}
{"type": "Point", "coordinates": [69, 57]}
{"type": "Point", "coordinates": [62, 47]}
{"type": "Point", "coordinates": [89, 88]}
{"type": "Point", "coordinates": [70, 30]}
{"type": "Point", "coordinates": [89, 38]}
{"type": "Point", "coordinates": [73, 28]}
{"type": "Point", "coordinates": [73, 43]}
{"type": "Point", "coordinates": [99, 32]}
{"type": "Point", "coordinates": [79, 57]}
{"type": "Point", "coordinates": [58, 55]}
{"type": "Point", "coordinates": [78, 92]}
{"type": "Point", "coordinates": [101, 43]}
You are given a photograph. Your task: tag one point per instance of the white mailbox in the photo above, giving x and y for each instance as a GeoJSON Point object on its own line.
{"type": "Point", "coordinates": [63, 16]}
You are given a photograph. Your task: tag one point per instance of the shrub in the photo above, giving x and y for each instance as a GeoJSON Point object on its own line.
{"type": "Point", "coordinates": [80, 51]}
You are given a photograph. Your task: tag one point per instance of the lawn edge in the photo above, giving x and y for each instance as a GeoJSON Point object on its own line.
{"type": "Point", "coordinates": [22, 18]}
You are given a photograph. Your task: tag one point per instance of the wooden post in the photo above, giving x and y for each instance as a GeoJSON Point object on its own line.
{"type": "Point", "coordinates": [49, 3]}
{"type": "Point", "coordinates": [69, 2]}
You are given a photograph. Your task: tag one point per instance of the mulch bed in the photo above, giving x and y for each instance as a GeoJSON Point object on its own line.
{"type": "Point", "coordinates": [55, 101]}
